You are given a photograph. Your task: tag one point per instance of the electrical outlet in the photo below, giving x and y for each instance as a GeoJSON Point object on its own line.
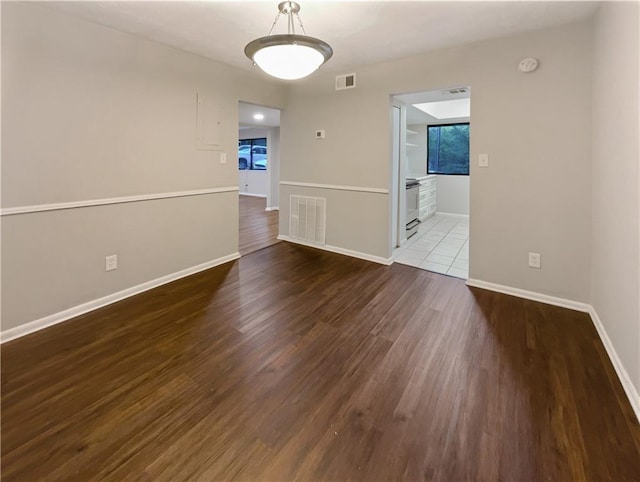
{"type": "Point", "coordinates": [534, 260]}
{"type": "Point", "coordinates": [111, 262]}
{"type": "Point", "coordinates": [483, 160]}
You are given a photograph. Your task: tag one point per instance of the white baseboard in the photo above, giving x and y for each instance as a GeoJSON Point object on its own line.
{"type": "Point", "coordinates": [623, 376]}
{"type": "Point", "coordinates": [272, 208]}
{"type": "Point", "coordinates": [33, 326]}
{"type": "Point", "coordinates": [252, 195]}
{"type": "Point", "coordinates": [529, 295]}
{"type": "Point", "coordinates": [336, 249]}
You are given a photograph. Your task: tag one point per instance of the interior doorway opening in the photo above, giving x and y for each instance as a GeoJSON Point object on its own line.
{"type": "Point", "coordinates": [431, 154]}
{"type": "Point", "coordinates": [258, 176]}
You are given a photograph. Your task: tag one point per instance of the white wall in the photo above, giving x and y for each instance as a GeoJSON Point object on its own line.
{"type": "Point", "coordinates": [452, 194]}
{"type": "Point", "coordinates": [91, 113]}
{"type": "Point", "coordinates": [417, 156]}
{"type": "Point", "coordinates": [534, 197]}
{"type": "Point", "coordinates": [254, 183]}
{"type": "Point", "coordinates": [356, 137]}
{"type": "Point", "coordinates": [615, 236]}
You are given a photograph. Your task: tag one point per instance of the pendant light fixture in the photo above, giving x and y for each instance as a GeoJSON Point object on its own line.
{"type": "Point", "coordinates": [288, 56]}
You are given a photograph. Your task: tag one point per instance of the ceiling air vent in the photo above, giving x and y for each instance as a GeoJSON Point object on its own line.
{"type": "Point", "coordinates": [346, 81]}
{"type": "Point", "coordinates": [455, 91]}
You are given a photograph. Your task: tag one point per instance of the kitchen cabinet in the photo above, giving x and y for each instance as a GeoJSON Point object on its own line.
{"type": "Point", "coordinates": [427, 201]}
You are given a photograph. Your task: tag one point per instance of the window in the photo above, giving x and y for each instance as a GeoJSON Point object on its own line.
{"type": "Point", "coordinates": [252, 154]}
{"type": "Point", "coordinates": [448, 149]}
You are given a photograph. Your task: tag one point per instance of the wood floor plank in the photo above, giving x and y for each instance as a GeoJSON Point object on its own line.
{"type": "Point", "coordinates": [258, 228]}
{"type": "Point", "coordinates": [297, 364]}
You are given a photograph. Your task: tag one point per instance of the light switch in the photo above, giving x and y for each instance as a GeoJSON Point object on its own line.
{"type": "Point", "coordinates": [534, 260]}
{"type": "Point", "coordinates": [483, 160]}
{"type": "Point", "coordinates": [223, 158]}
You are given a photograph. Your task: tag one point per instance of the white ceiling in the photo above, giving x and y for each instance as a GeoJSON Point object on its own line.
{"type": "Point", "coordinates": [246, 112]}
{"type": "Point", "coordinates": [360, 32]}
{"type": "Point", "coordinates": [416, 116]}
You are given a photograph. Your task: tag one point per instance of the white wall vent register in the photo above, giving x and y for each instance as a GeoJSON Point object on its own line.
{"type": "Point", "coordinates": [346, 81]}
{"type": "Point", "coordinates": [307, 218]}
{"type": "Point", "coordinates": [461, 90]}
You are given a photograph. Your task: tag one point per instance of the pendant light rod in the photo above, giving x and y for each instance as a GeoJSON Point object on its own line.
{"type": "Point", "coordinates": [291, 28]}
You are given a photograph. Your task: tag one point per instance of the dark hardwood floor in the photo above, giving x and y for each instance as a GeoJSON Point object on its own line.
{"type": "Point", "coordinates": [258, 228]}
{"type": "Point", "coordinates": [298, 364]}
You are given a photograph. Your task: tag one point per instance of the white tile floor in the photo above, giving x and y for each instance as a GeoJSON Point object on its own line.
{"type": "Point", "coordinates": [440, 245]}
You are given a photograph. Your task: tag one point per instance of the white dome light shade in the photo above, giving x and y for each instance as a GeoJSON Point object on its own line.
{"type": "Point", "coordinates": [288, 56]}
{"type": "Point", "coordinates": [288, 62]}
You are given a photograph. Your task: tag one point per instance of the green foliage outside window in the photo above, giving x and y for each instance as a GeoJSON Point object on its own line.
{"type": "Point", "coordinates": [448, 149]}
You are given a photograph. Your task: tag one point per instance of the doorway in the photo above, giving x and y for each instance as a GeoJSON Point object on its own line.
{"type": "Point", "coordinates": [258, 176]}
{"type": "Point", "coordinates": [434, 180]}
